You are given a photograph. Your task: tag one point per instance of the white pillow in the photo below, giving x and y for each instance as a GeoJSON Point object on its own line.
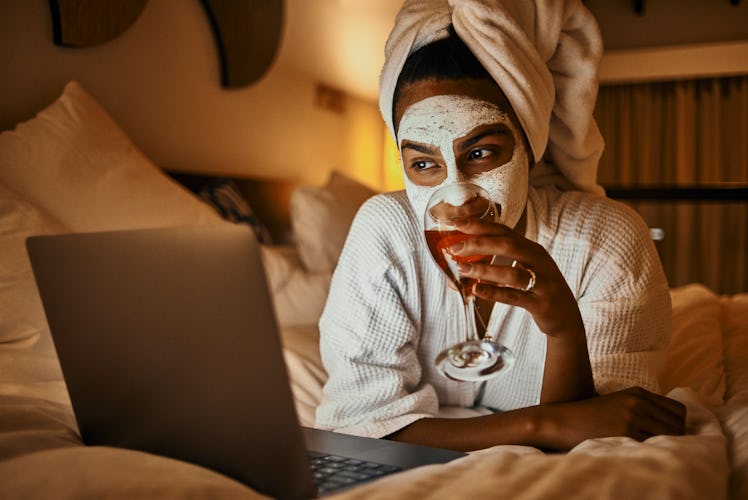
{"type": "Point", "coordinates": [22, 319]}
{"type": "Point", "coordinates": [321, 218]}
{"type": "Point", "coordinates": [74, 162]}
{"type": "Point", "coordinates": [299, 296]}
{"type": "Point", "coordinates": [734, 415]}
{"type": "Point", "coordinates": [695, 355]}
{"type": "Point", "coordinates": [305, 370]}
{"type": "Point", "coordinates": [735, 314]}
{"type": "Point", "coordinates": [28, 361]}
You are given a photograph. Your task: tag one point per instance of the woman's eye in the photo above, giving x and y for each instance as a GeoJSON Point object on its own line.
{"type": "Point", "coordinates": [480, 153]}
{"type": "Point", "coordinates": [423, 164]}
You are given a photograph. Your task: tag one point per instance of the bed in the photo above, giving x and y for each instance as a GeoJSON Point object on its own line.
{"type": "Point", "coordinates": [72, 169]}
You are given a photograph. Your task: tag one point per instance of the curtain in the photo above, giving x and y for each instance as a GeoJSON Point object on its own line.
{"type": "Point", "coordinates": [690, 132]}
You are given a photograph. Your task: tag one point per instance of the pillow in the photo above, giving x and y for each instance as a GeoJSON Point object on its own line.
{"type": "Point", "coordinates": [695, 355]}
{"type": "Point", "coordinates": [735, 316]}
{"type": "Point", "coordinates": [22, 319]}
{"type": "Point", "coordinates": [28, 361]}
{"type": "Point", "coordinates": [321, 218]}
{"type": "Point", "coordinates": [305, 370]}
{"type": "Point", "coordinates": [299, 296]}
{"type": "Point", "coordinates": [74, 162]}
{"type": "Point", "coordinates": [734, 415]}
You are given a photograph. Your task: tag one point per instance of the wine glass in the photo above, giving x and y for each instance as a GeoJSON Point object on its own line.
{"type": "Point", "coordinates": [473, 359]}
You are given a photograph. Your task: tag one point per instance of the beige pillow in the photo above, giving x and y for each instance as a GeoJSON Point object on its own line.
{"type": "Point", "coordinates": [735, 323]}
{"type": "Point", "coordinates": [321, 218]}
{"type": "Point", "coordinates": [695, 355]}
{"type": "Point", "coordinates": [734, 415]}
{"type": "Point", "coordinates": [305, 370]}
{"type": "Point", "coordinates": [74, 162]}
{"type": "Point", "coordinates": [299, 296]}
{"type": "Point", "coordinates": [22, 319]}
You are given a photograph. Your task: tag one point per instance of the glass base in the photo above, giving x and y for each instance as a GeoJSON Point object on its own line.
{"type": "Point", "coordinates": [474, 360]}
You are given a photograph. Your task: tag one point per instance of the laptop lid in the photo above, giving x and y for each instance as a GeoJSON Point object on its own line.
{"type": "Point", "coordinates": [168, 344]}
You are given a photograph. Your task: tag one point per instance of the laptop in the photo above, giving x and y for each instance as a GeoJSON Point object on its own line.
{"type": "Point", "coordinates": [168, 344]}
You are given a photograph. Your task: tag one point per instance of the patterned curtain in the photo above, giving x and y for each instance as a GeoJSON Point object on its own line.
{"type": "Point", "coordinates": [691, 132]}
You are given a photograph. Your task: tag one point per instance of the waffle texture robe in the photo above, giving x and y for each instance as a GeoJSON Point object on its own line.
{"type": "Point", "coordinates": [390, 312]}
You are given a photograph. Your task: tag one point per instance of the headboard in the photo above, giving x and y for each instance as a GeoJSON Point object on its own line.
{"type": "Point", "coordinates": [270, 199]}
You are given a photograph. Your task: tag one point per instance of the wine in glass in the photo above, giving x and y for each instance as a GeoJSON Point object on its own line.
{"type": "Point", "coordinates": [474, 359]}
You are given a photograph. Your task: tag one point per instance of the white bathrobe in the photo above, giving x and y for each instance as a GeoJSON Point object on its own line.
{"type": "Point", "coordinates": [390, 312]}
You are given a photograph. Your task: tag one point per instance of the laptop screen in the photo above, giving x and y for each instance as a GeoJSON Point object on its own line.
{"type": "Point", "coordinates": [169, 344]}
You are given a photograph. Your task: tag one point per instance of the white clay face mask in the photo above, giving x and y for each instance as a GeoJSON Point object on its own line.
{"type": "Point", "coordinates": [438, 121]}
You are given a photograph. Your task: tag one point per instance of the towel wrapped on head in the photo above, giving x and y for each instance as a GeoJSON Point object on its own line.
{"type": "Point", "coordinates": [544, 54]}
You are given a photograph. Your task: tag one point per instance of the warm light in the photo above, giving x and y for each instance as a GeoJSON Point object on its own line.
{"type": "Point", "coordinates": [392, 171]}
{"type": "Point", "coordinates": [363, 142]}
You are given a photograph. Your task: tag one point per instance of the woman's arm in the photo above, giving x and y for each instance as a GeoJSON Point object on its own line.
{"type": "Point", "coordinates": [368, 336]}
{"type": "Point", "coordinates": [567, 375]}
{"type": "Point", "coordinates": [633, 412]}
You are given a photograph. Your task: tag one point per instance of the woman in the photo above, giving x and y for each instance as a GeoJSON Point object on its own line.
{"type": "Point", "coordinates": [587, 312]}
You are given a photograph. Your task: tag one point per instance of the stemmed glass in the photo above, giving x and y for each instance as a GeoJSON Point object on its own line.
{"type": "Point", "coordinates": [473, 359]}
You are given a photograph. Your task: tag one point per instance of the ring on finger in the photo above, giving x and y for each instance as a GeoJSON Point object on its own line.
{"type": "Point", "coordinates": [531, 281]}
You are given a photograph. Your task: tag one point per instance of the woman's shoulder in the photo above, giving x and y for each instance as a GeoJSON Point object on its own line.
{"type": "Point", "coordinates": [389, 212]}
{"type": "Point", "coordinates": [593, 215]}
{"type": "Point", "coordinates": [591, 236]}
{"type": "Point", "coordinates": [386, 220]}
{"type": "Point", "coordinates": [393, 203]}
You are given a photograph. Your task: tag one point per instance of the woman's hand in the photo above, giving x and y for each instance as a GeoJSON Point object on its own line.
{"type": "Point", "coordinates": [550, 301]}
{"type": "Point", "coordinates": [634, 412]}
{"type": "Point", "coordinates": [537, 285]}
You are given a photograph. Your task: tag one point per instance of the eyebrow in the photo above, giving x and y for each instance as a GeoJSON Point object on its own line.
{"type": "Point", "coordinates": [421, 148]}
{"type": "Point", "coordinates": [498, 130]}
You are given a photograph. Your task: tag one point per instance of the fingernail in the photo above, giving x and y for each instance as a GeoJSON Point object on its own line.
{"type": "Point", "coordinates": [465, 267]}
{"type": "Point", "coordinates": [457, 247]}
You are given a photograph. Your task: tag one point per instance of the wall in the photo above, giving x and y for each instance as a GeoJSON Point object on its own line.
{"type": "Point", "coordinates": [160, 81]}
{"type": "Point", "coordinates": [671, 39]}
{"type": "Point", "coordinates": [667, 23]}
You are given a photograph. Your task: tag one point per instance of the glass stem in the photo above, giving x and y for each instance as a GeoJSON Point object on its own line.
{"type": "Point", "coordinates": [471, 330]}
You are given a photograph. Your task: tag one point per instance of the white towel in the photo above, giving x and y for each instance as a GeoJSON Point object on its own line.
{"type": "Point", "coordinates": [544, 54]}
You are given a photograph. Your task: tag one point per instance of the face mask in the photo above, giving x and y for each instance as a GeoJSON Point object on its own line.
{"type": "Point", "coordinates": [438, 121]}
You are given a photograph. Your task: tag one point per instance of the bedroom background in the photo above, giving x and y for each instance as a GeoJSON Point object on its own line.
{"type": "Point", "coordinates": [673, 105]}
{"type": "Point", "coordinates": [71, 165]}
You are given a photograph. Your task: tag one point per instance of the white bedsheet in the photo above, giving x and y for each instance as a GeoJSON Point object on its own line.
{"type": "Point", "coordinates": [41, 455]}
{"type": "Point", "coordinates": [693, 466]}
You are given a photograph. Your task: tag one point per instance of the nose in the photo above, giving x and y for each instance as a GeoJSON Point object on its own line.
{"type": "Point", "coordinates": [455, 174]}
{"type": "Point", "coordinates": [460, 176]}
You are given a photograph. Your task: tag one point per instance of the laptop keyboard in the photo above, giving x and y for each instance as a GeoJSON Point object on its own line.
{"type": "Point", "coordinates": [332, 472]}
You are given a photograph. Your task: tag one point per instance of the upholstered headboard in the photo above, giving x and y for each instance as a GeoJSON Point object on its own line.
{"type": "Point", "coordinates": [270, 199]}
